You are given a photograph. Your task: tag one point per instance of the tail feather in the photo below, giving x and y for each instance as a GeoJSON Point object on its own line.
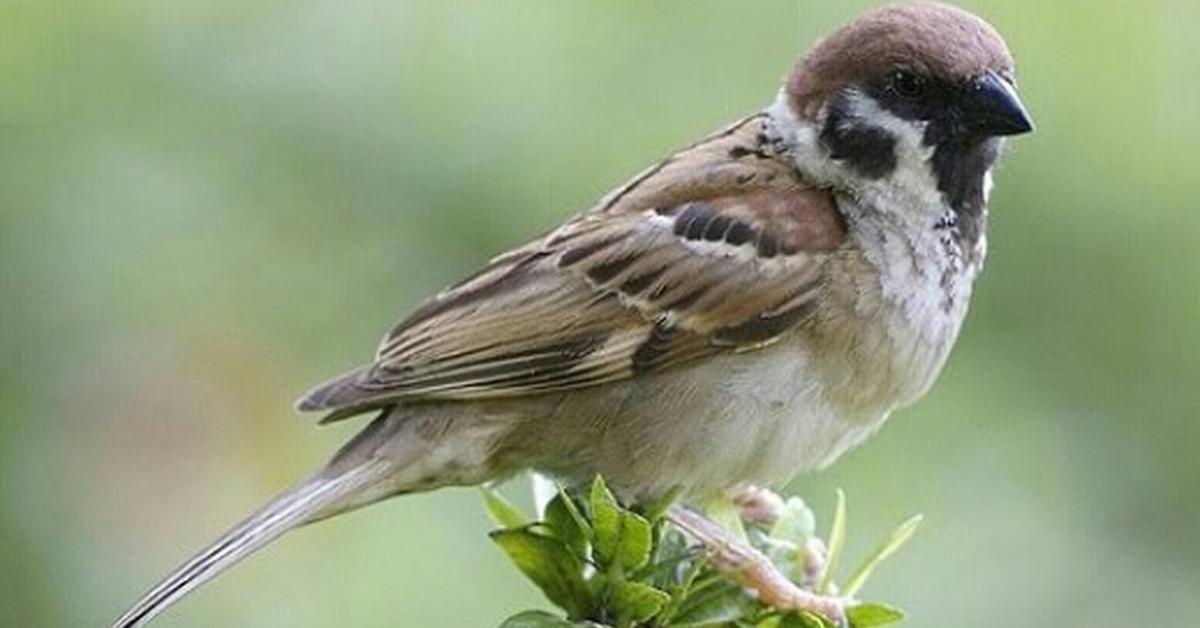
{"type": "Point", "coordinates": [317, 498]}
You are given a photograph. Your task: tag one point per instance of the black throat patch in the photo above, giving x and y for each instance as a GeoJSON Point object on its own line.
{"type": "Point", "coordinates": [960, 160]}
{"type": "Point", "coordinates": [960, 169]}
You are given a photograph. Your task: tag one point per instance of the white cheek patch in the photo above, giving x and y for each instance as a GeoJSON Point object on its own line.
{"type": "Point", "coordinates": [913, 180]}
{"type": "Point", "coordinates": [911, 184]}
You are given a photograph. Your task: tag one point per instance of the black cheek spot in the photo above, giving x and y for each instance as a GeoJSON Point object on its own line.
{"type": "Point", "coordinates": [868, 150]}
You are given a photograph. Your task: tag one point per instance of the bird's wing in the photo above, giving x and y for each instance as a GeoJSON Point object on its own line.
{"type": "Point", "coordinates": [719, 247]}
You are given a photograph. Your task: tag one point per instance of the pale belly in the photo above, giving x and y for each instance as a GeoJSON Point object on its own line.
{"type": "Point", "coordinates": [766, 418]}
{"type": "Point", "coordinates": [751, 418]}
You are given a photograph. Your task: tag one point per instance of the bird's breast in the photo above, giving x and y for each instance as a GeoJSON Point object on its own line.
{"type": "Point", "coordinates": [893, 309]}
{"type": "Point", "coordinates": [873, 344]}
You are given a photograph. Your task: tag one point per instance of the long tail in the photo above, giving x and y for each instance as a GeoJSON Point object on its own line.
{"type": "Point", "coordinates": [321, 496]}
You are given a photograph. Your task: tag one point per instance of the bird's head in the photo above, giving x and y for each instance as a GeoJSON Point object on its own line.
{"type": "Point", "coordinates": [914, 92]}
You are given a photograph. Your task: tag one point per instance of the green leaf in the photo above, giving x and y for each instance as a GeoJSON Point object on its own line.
{"type": "Point", "coordinates": [605, 510]}
{"type": "Point", "coordinates": [634, 602]}
{"type": "Point", "coordinates": [551, 565]}
{"type": "Point", "coordinates": [873, 614]}
{"type": "Point", "coordinates": [786, 557]}
{"type": "Point", "coordinates": [887, 548]}
{"type": "Point", "coordinates": [564, 520]}
{"type": "Point", "coordinates": [803, 619]}
{"type": "Point", "coordinates": [574, 509]}
{"type": "Point", "coordinates": [670, 552]}
{"type": "Point", "coordinates": [718, 607]}
{"type": "Point", "coordinates": [660, 506]}
{"type": "Point", "coordinates": [621, 539]}
{"type": "Point", "coordinates": [837, 543]}
{"type": "Point", "coordinates": [796, 524]}
{"type": "Point", "coordinates": [502, 511]}
{"type": "Point", "coordinates": [537, 619]}
{"type": "Point", "coordinates": [724, 513]}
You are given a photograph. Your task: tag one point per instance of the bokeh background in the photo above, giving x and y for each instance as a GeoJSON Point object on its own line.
{"type": "Point", "coordinates": [206, 206]}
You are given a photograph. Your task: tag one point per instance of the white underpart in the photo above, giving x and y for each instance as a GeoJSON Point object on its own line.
{"type": "Point", "coordinates": [923, 279]}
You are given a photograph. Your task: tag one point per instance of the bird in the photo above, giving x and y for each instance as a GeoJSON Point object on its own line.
{"type": "Point", "coordinates": [750, 307]}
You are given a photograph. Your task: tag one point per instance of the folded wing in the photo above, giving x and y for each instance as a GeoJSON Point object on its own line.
{"type": "Point", "coordinates": [719, 247]}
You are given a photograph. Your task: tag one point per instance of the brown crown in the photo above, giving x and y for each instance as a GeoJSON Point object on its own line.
{"type": "Point", "coordinates": [936, 39]}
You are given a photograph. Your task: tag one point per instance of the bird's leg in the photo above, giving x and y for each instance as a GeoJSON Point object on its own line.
{"type": "Point", "coordinates": [748, 567]}
{"type": "Point", "coordinates": [764, 507]}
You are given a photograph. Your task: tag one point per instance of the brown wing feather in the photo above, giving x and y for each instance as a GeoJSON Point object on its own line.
{"type": "Point", "coordinates": [718, 247]}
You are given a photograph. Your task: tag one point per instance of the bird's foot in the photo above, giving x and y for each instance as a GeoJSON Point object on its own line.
{"type": "Point", "coordinates": [764, 507]}
{"type": "Point", "coordinates": [750, 568]}
{"type": "Point", "coordinates": [758, 505]}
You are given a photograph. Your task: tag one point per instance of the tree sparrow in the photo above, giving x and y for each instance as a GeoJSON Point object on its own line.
{"type": "Point", "coordinates": [752, 306]}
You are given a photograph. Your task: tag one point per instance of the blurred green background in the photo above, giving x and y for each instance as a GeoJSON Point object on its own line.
{"type": "Point", "coordinates": [207, 206]}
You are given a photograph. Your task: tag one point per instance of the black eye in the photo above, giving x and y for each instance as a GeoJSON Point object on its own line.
{"type": "Point", "coordinates": [907, 84]}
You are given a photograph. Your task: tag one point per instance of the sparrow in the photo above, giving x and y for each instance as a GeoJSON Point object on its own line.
{"type": "Point", "coordinates": [750, 307]}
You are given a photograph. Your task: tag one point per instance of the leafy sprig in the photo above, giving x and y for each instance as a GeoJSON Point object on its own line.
{"type": "Point", "coordinates": [608, 566]}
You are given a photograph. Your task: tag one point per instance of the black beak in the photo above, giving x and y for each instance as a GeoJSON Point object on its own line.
{"type": "Point", "coordinates": [993, 108]}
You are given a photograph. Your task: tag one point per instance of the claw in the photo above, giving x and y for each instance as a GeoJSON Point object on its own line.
{"type": "Point", "coordinates": [748, 567]}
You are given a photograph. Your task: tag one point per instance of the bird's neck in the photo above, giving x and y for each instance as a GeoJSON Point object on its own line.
{"type": "Point", "coordinates": [934, 200]}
